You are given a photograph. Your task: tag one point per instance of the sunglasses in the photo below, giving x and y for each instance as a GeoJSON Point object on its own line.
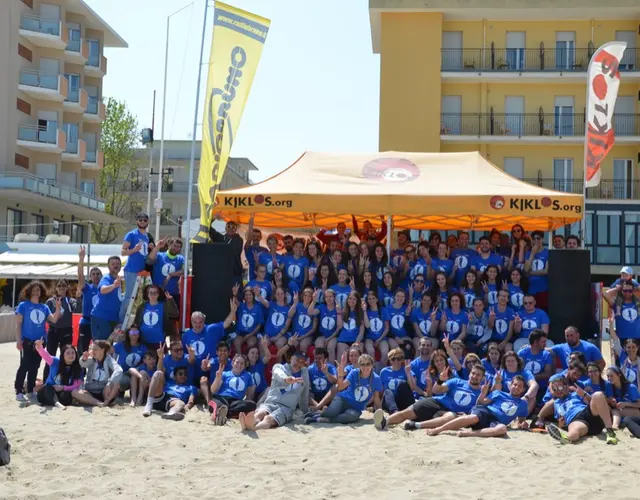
{"type": "Point", "coordinates": [397, 359]}
{"type": "Point", "coordinates": [366, 364]}
{"type": "Point", "coordinates": [528, 303]}
{"type": "Point", "coordinates": [178, 349]}
{"type": "Point", "coordinates": [627, 291]}
{"type": "Point", "coordinates": [418, 281]}
{"type": "Point", "coordinates": [143, 220]}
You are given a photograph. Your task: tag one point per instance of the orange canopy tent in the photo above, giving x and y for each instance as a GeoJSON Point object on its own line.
{"type": "Point", "coordinates": [444, 191]}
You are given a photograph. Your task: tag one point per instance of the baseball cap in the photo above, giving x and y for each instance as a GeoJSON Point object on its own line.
{"type": "Point", "coordinates": [626, 270]}
{"type": "Point", "coordinates": [142, 215]}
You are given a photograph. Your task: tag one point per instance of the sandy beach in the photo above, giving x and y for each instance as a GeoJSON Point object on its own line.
{"type": "Point", "coordinates": [116, 453]}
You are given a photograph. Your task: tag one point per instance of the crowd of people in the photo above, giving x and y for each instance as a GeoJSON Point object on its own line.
{"type": "Point", "coordinates": [437, 335]}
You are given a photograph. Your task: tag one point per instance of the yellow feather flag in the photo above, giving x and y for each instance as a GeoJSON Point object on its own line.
{"type": "Point", "coordinates": [238, 38]}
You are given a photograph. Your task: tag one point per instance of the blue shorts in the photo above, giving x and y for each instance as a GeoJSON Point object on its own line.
{"type": "Point", "coordinates": [485, 418]}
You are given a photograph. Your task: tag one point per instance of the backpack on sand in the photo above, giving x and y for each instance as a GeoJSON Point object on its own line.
{"type": "Point", "coordinates": [5, 449]}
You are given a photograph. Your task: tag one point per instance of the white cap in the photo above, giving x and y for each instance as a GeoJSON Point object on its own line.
{"type": "Point", "coordinates": [626, 270]}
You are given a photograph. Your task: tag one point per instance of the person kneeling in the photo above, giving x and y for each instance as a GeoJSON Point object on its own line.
{"type": "Point", "coordinates": [173, 396]}
{"type": "Point", "coordinates": [232, 391]}
{"type": "Point", "coordinates": [493, 412]}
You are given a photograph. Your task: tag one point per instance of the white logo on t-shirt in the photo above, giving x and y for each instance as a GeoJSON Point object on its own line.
{"type": "Point", "coordinates": [237, 384]}
{"type": "Point", "coordinates": [198, 347]}
{"type": "Point", "coordinates": [351, 324]}
{"type": "Point", "coordinates": [529, 324]}
{"type": "Point", "coordinates": [133, 359]}
{"type": "Point", "coordinates": [94, 300]}
{"type": "Point", "coordinates": [150, 318]}
{"type": "Point", "coordinates": [468, 299]}
{"type": "Point", "coordinates": [99, 375]}
{"type": "Point", "coordinates": [247, 320]}
{"type": "Point", "coordinates": [167, 269]}
{"type": "Point", "coordinates": [462, 398]}
{"type": "Point", "coordinates": [453, 327]}
{"type": "Point", "coordinates": [630, 373]}
{"type": "Point", "coordinates": [361, 394]}
{"type": "Point", "coordinates": [270, 267]}
{"type": "Point", "coordinates": [37, 316]}
{"type": "Point", "coordinates": [320, 384]}
{"type": "Point", "coordinates": [493, 297]}
{"type": "Point", "coordinates": [630, 314]}
{"type": "Point", "coordinates": [375, 324]}
{"type": "Point", "coordinates": [388, 301]}
{"type": "Point", "coordinates": [517, 298]}
{"type": "Point", "coordinates": [294, 271]}
{"type": "Point", "coordinates": [533, 366]}
{"type": "Point", "coordinates": [277, 319]}
{"type": "Point", "coordinates": [501, 326]}
{"type": "Point", "coordinates": [328, 323]}
{"type": "Point", "coordinates": [462, 261]}
{"type": "Point", "coordinates": [397, 321]}
{"type": "Point", "coordinates": [394, 383]}
{"type": "Point", "coordinates": [341, 299]}
{"type": "Point", "coordinates": [256, 378]}
{"type": "Point", "coordinates": [537, 265]}
{"type": "Point", "coordinates": [304, 321]}
{"type": "Point", "coordinates": [509, 408]}
{"type": "Point", "coordinates": [425, 326]}
{"type": "Point", "coordinates": [417, 269]}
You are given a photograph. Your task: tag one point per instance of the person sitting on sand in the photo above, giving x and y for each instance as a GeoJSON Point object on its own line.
{"type": "Point", "coordinates": [210, 367]}
{"type": "Point", "coordinates": [257, 367]}
{"type": "Point", "coordinates": [493, 412]}
{"type": "Point", "coordinates": [232, 391]}
{"type": "Point", "coordinates": [580, 413]}
{"type": "Point", "coordinates": [322, 375]}
{"type": "Point", "coordinates": [359, 388]}
{"type": "Point", "coordinates": [128, 354]}
{"type": "Point", "coordinates": [141, 377]}
{"type": "Point", "coordinates": [450, 397]}
{"type": "Point", "coordinates": [289, 390]}
{"type": "Point", "coordinates": [174, 397]}
{"type": "Point", "coordinates": [178, 359]}
{"type": "Point", "coordinates": [65, 377]}
{"type": "Point", "coordinates": [397, 382]}
{"type": "Point", "coordinates": [102, 381]}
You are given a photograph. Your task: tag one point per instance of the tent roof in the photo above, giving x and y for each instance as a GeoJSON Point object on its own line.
{"type": "Point", "coordinates": [42, 271]}
{"type": "Point", "coordinates": [420, 190]}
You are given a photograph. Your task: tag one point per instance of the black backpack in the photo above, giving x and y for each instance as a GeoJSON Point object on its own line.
{"type": "Point", "coordinates": [5, 449]}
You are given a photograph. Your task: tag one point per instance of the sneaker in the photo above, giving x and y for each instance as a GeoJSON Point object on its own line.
{"type": "Point", "coordinates": [556, 433]}
{"type": "Point", "coordinates": [312, 419]}
{"type": "Point", "coordinates": [611, 437]}
{"type": "Point", "coordinates": [33, 397]}
{"type": "Point", "coordinates": [21, 397]}
{"type": "Point", "coordinates": [221, 416]}
{"type": "Point", "coordinates": [379, 422]}
{"type": "Point", "coordinates": [410, 426]}
{"type": "Point", "coordinates": [173, 416]}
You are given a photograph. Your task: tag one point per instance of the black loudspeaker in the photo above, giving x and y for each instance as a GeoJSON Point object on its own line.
{"type": "Point", "coordinates": [570, 293]}
{"type": "Point", "coordinates": [212, 280]}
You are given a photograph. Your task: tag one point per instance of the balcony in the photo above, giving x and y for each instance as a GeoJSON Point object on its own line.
{"type": "Point", "coordinates": [94, 160]}
{"type": "Point", "coordinates": [527, 65]}
{"type": "Point", "coordinates": [42, 139]}
{"type": "Point", "coordinates": [43, 86]}
{"type": "Point", "coordinates": [95, 112]}
{"type": "Point", "coordinates": [75, 152]}
{"type": "Point", "coordinates": [44, 33]}
{"type": "Point", "coordinates": [22, 186]}
{"type": "Point", "coordinates": [608, 189]}
{"type": "Point", "coordinates": [534, 128]}
{"type": "Point", "coordinates": [76, 101]}
{"type": "Point", "coordinates": [96, 66]}
{"type": "Point", "coordinates": [77, 51]}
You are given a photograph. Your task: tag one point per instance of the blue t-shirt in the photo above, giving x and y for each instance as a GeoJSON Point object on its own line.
{"type": "Point", "coordinates": [492, 294]}
{"type": "Point", "coordinates": [583, 383]}
{"type": "Point", "coordinates": [130, 359]}
{"type": "Point", "coordinates": [276, 319]}
{"type": "Point", "coordinates": [235, 386]}
{"type": "Point", "coordinates": [152, 327]}
{"type": "Point", "coordinates": [630, 370]}
{"type": "Point", "coordinates": [627, 324]}
{"type": "Point", "coordinates": [392, 379]}
{"type": "Point", "coordinates": [563, 352]}
{"type": "Point", "coordinates": [302, 322]}
{"type": "Point", "coordinates": [267, 260]}
{"type": "Point", "coordinates": [89, 299]}
{"type": "Point", "coordinates": [180, 391]}
{"type": "Point", "coordinates": [442, 265]}
{"type": "Point", "coordinates": [538, 284]}
{"type": "Point", "coordinates": [490, 371]}
{"type": "Point", "coordinates": [169, 366]}
{"type": "Point", "coordinates": [475, 330]}
{"type": "Point", "coordinates": [295, 269]}
{"type": "Point", "coordinates": [55, 374]}
{"type": "Point", "coordinates": [460, 396]}
{"type": "Point", "coordinates": [507, 377]}
{"type": "Point", "coordinates": [107, 305]}
{"type": "Point", "coordinates": [342, 293]}
{"type": "Point", "coordinates": [469, 296]}
{"type": "Point", "coordinates": [536, 363]}
{"type": "Point", "coordinates": [630, 395]}
{"type": "Point", "coordinates": [516, 297]}
{"type": "Point", "coordinates": [320, 385]}
{"type": "Point", "coordinates": [360, 390]}
{"type": "Point", "coordinates": [376, 325]}
{"type": "Point", "coordinates": [257, 371]}
{"type": "Point", "coordinates": [419, 372]}
{"type": "Point", "coordinates": [266, 289]}
{"type": "Point", "coordinates": [249, 318]}
{"type": "Point", "coordinates": [396, 319]}
{"type": "Point", "coordinates": [531, 321]}
{"type": "Point", "coordinates": [568, 407]}
{"type": "Point", "coordinates": [455, 322]}
{"type": "Point", "coordinates": [481, 263]}
{"type": "Point", "coordinates": [204, 343]}
{"type": "Point", "coordinates": [327, 320]}
{"type": "Point", "coordinates": [215, 364]}
{"type": "Point", "coordinates": [501, 324]}
{"type": "Point", "coordinates": [350, 329]}
{"type": "Point", "coordinates": [386, 297]}
{"type": "Point", "coordinates": [249, 253]}
{"type": "Point", "coordinates": [505, 408]}
{"type": "Point", "coordinates": [34, 318]}
{"type": "Point", "coordinates": [423, 320]}
{"type": "Point", "coordinates": [163, 267]}
{"type": "Point", "coordinates": [415, 268]}
{"type": "Point", "coordinates": [464, 258]}
{"type": "Point", "coordinates": [135, 261]}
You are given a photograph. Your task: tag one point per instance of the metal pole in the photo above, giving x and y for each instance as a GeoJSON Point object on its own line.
{"type": "Point", "coordinates": [13, 296]}
{"type": "Point", "coordinates": [191, 169]}
{"type": "Point", "coordinates": [88, 273]}
{"type": "Point", "coordinates": [164, 111]}
{"type": "Point", "coordinates": [153, 119]}
{"type": "Point", "coordinates": [389, 234]}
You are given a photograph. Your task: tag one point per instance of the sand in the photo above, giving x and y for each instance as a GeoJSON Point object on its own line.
{"type": "Point", "coordinates": [116, 453]}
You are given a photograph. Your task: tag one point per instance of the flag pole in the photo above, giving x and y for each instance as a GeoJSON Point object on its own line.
{"type": "Point", "coordinates": [191, 169]}
{"type": "Point", "coordinates": [583, 221]}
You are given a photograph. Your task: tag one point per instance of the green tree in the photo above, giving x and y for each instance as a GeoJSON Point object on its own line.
{"type": "Point", "coordinates": [119, 176]}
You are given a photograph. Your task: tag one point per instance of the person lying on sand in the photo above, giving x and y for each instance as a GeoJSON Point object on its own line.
{"type": "Point", "coordinates": [174, 397]}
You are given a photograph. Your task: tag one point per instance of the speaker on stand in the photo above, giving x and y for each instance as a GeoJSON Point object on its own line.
{"type": "Point", "coordinates": [212, 280]}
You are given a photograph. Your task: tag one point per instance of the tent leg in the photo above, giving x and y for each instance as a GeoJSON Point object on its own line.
{"type": "Point", "coordinates": [389, 233]}
{"type": "Point", "coordinates": [13, 296]}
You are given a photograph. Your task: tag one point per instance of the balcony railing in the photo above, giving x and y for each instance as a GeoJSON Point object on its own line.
{"type": "Point", "coordinates": [92, 105]}
{"type": "Point", "coordinates": [609, 189]}
{"type": "Point", "coordinates": [97, 61]}
{"type": "Point", "coordinates": [53, 27]}
{"type": "Point", "coordinates": [35, 78]}
{"type": "Point", "coordinates": [528, 60]}
{"type": "Point", "coordinates": [45, 135]}
{"type": "Point", "coordinates": [533, 124]}
{"type": "Point", "coordinates": [50, 189]}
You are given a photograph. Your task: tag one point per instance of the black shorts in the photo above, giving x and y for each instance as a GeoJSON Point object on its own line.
{"type": "Point", "coordinates": [98, 395]}
{"type": "Point", "coordinates": [594, 424]}
{"type": "Point", "coordinates": [427, 409]}
{"type": "Point", "coordinates": [163, 403]}
{"type": "Point", "coordinates": [486, 419]}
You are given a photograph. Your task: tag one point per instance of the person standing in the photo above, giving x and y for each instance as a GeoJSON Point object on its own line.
{"type": "Point", "coordinates": [252, 248]}
{"type": "Point", "coordinates": [135, 247]}
{"type": "Point", "coordinates": [105, 312]}
{"type": "Point", "coordinates": [60, 332]}
{"type": "Point", "coordinates": [231, 237]}
{"type": "Point", "coordinates": [167, 267]}
{"type": "Point", "coordinates": [89, 294]}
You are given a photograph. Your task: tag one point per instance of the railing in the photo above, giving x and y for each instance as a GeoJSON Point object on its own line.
{"type": "Point", "coordinates": [97, 61]}
{"type": "Point", "coordinates": [615, 189]}
{"type": "Point", "coordinates": [53, 27]}
{"type": "Point", "coordinates": [35, 133]}
{"type": "Point", "coordinates": [533, 124]}
{"type": "Point", "coordinates": [91, 156]}
{"type": "Point", "coordinates": [49, 188]}
{"type": "Point", "coordinates": [35, 78]}
{"type": "Point", "coordinates": [92, 105]}
{"type": "Point", "coordinates": [523, 60]}
{"type": "Point", "coordinates": [73, 95]}
{"type": "Point", "coordinates": [74, 45]}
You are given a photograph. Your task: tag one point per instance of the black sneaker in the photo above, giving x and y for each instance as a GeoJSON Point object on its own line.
{"type": "Point", "coordinates": [379, 420]}
{"type": "Point", "coordinates": [410, 426]}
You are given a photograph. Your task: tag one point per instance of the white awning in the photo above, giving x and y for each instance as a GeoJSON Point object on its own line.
{"type": "Point", "coordinates": [33, 271]}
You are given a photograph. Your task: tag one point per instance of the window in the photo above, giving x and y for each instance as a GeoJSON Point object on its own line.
{"type": "Point", "coordinates": [167, 180]}
{"type": "Point", "coordinates": [37, 225]}
{"type": "Point", "coordinates": [563, 175]}
{"type": "Point", "coordinates": [77, 233]}
{"type": "Point", "coordinates": [623, 179]}
{"type": "Point", "coordinates": [137, 182]}
{"type": "Point", "coordinates": [14, 223]}
{"type": "Point", "coordinates": [607, 238]}
{"type": "Point", "coordinates": [88, 187]}
{"type": "Point", "coordinates": [166, 217]}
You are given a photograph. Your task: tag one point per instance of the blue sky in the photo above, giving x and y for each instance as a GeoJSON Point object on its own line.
{"type": "Point", "coordinates": [317, 85]}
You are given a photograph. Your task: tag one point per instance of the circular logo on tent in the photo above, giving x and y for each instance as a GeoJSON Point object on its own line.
{"type": "Point", "coordinates": [259, 199]}
{"type": "Point", "coordinates": [546, 202]}
{"type": "Point", "coordinates": [497, 202]}
{"type": "Point", "coordinates": [391, 170]}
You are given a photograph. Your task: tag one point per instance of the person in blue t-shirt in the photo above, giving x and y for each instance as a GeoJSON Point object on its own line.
{"type": "Point", "coordinates": [322, 377]}
{"type": "Point", "coordinates": [352, 332]}
{"type": "Point", "coordinates": [454, 319]}
{"type": "Point", "coordinates": [271, 259]}
{"type": "Point", "coordinates": [623, 311]}
{"type": "Point", "coordinates": [517, 289]}
{"type": "Point", "coordinates": [174, 397]}
{"type": "Point", "coordinates": [168, 266]}
{"type": "Point", "coordinates": [493, 413]}
{"type": "Point", "coordinates": [627, 352]}
{"type": "Point", "coordinates": [135, 247]}
{"type": "Point", "coordinates": [31, 317]}
{"type": "Point", "coordinates": [129, 354]}
{"type": "Point", "coordinates": [425, 320]}
{"type": "Point", "coordinates": [562, 352]}
{"type": "Point", "coordinates": [486, 257]}
{"type": "Point", "coordinates": [257, 367]}
{"type": "Point", "coordinates": [529, 319]}
{"type": "Point", "coordinates": [463, 258]}
{"type": "Point", "coordinates": [65, 377]}
{"type": "Point", "coordinates": [623, 397]}
{"type": "Point", "coordinates": [443, 264]}
{"type": "Point", "coordinates": [295, 266]}
{"type": "Point", "coordinates": [342, 288]}
{"type": "Point", "coordinates": [210, 367]}
{"type": "Point", "coordinates": [398, 383]}
{"type": "Point", "coordinates": [178, 359]}
{"type": "Point", "coordinates": [260, 284]}
{"type": "Point", "coordinates": [156, 317]}
{"type": "Point", "coordinates": [536, 266]}
{"type": "Point", "coordinates": [449, 398]}
{"type": "Point", "coordinates": [252, 247]}
{"type": "Point", "coordinates": [512, 365]}
{"type": "Point", "coordinates": [89, 293]}
{"type": "Point", "coordinates": [395, 316]}
{"type": "Point", "coordinates": [538, 360]}
{"type": "Point", "coordinates": [106, 310]}
{"type": "Point", "coordinates": [329, 322]}
{"type": "Point", "coordinates": [595, 383]}
{"type": "Point", "coordinates": [250, 318]}
{"type": "Point", "coordinates": [232, 392]}
{"type": "Point", "coordinates": [357, 389]}
{"type": "Point", "coordinates": [303, 325]}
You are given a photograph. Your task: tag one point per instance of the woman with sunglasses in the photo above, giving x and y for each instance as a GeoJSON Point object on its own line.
{"type": "Point", "coordinates": [357, 389]}
{"type": "Point", "coordinates": [397, 383]}
{"type": "Point", "coordinates": [623, 302]}
{"type": "Point", "coordinates": [129, 354]}
{"type": "Point", "coordinates": [60, 333]}
{"type": "Point", "coordinates": [89, 293]}
{"type": "Point", "coordinates": [157, 317]}
{"type": "Point", "coordinates": [595, 383]}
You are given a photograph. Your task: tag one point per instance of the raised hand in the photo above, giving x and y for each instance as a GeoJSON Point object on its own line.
{"type": "Point", "coordinates": [505, 285]}
{"type": "Point", "coordinates": [485, 388]}
{"type": "Point", "coordinates": [407, 367]}
{"type": "Point", "coordinates": [492, 313]}
{"type": "Point", "coordinates": [295, 297]}
{"type": "Point", "coordinates": [205, 364]}
{"type": "Point", "coordinates": [220, 370]}
{"type": "Point", "coordinates": [85, 355]}
{"type": "Point", "coordinates": [81, 253]}
{"type": "Point", "coordinates": [235, 289]}
{"type": "Point", "coordinates": [445, 374]}
{"type": "Point", "coordinates": [364, 305]}
{"type": "Point", "coordinates": [233, 305]}
{"type": "Point", "coordinates": [434, 314]}
{"type": "Point", "coordinates": [117, 282]}
{"type": "Point", "coordinates": [343, 361]}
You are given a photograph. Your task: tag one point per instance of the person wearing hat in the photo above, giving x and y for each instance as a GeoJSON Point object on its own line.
{"type": "Point", "coordinates": [135, 247]}
{"type": "Point", "coordinates": [230, 237]}
{"type": "Point", "coordinates": [626, 276]}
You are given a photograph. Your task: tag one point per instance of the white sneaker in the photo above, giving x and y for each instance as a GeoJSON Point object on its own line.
{"type": "Point", "coordinates": [21, 397]}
